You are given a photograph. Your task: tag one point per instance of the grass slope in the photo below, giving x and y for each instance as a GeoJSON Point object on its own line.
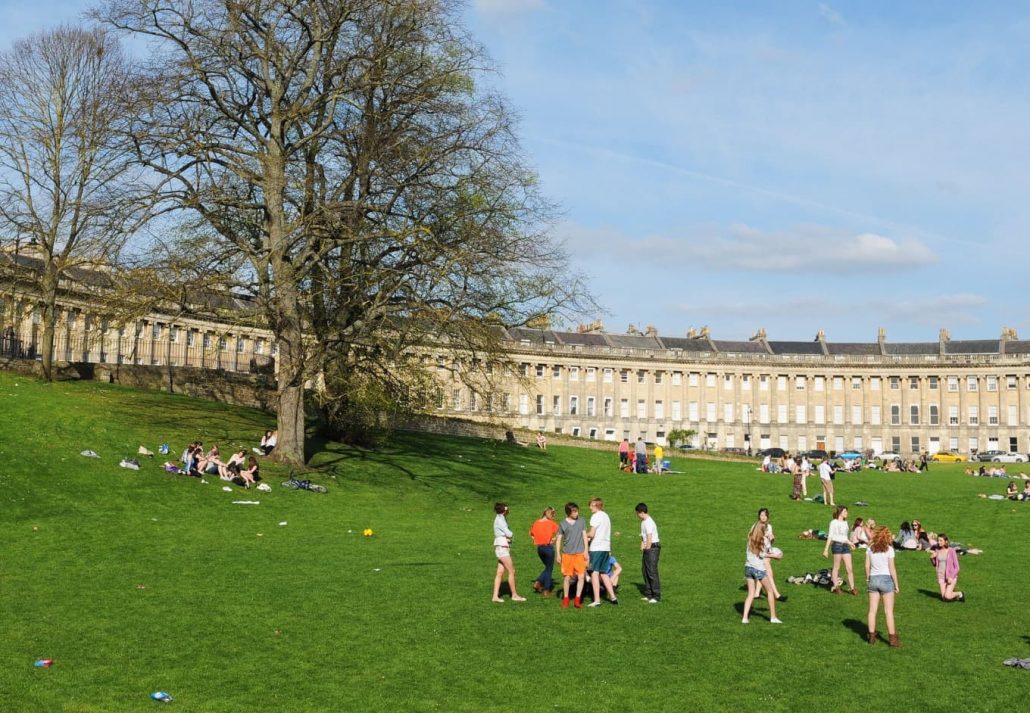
{"type": "Point", "coordinates": [137, 582]}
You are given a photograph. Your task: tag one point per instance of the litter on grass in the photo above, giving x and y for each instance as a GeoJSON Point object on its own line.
{"type": "Point", "coordinates": [89, 453]}
{"type": "Point", "coordinates": [282, 524]}
{"type": "Point", "coordinates": [161, 697]}
{"type": "Point", "coordinates": [144, 451]}
{"type": "Point", "coordinates": [1018, 663]}
{"type": "Point", "coordinates": [226, 488]}
{"type": "Point", "coordinates": [246, 502]}
{"type": "Point", "coordinates": [43, 663]}
{"type": "Point", "coordinates": [264, 487]}
{"type": "Point", "coordinates": [130, 463]}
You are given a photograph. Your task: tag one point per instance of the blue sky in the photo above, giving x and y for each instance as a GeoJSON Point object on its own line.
{"type": "Point", "coordinates": [795, 166]}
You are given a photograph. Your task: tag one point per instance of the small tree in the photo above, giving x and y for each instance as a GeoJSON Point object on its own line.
{"type": "Point", "coordinates": [680, 436]}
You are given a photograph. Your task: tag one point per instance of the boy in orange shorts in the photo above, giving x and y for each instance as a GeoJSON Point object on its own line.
{"type": "Point", "coordinates": [572, 548]}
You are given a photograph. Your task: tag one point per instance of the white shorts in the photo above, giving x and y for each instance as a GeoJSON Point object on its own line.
{"type": "Point", "coordinates": [502, 552]}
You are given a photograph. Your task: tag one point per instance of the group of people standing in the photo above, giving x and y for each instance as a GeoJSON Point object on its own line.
{"type": "Point", "coordinates": [581, 549]}
{"type": "Point", "coordinates": [635, 460]}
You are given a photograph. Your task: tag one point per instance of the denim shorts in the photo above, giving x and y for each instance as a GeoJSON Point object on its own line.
{"type": "Point", "coordinates": [756, 574]}
{"type": "Point", "coordinates": [881, 583]}
{"type": "Point", "coordinates": [840, 548]}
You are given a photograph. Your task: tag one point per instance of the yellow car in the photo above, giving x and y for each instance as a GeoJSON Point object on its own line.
{"type": "Point", "coordinates": [948, 457]}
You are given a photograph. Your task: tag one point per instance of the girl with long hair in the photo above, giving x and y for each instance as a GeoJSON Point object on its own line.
{"type": "Point", "coordinates": [756, 574]}
{"type": "Point", "coordinates": [945, 561]}
{"type": "Point", "coordinates": [502, 550]}
{"type": "Point", "coordinates": [769, 552]}
{"type": "Point", "coordinates": [837, 541]}
{"type": "Point", "coordinates": [882, 582]}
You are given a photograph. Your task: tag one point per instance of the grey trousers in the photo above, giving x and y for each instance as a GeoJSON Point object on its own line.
{"type": "Point", "coordinates": [652, 586]}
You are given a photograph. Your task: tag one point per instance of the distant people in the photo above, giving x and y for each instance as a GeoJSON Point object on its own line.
{"type": "Point", "coordinates": [826, 479]}
{"type": "Point", "coordinates": [1012, 492]}
{"type": "Point", "coordinates": [544, 531]}
{"type": "Point", "coordinates": [766, 462]}
{"type": "Point", "coordinates": [502, 550]}
{"type": "Point", "coordinates": [251, 474]}
{"type": "Point", "coordinates": [572, 547]}
{"type": "Point", "coordinates": [797, 483]}
{"type": "Point", "coordinates": [1025, 495]}
{"type": "Point", "coordinates": [541, 441]}
{"type": "Point", "coordinates": [882, 582]}
{"type": "Point", "coordinates": [599, 537]}
{"type": "Point", "coordinates": [838, 543]}
{"type": "Point", "coordinates": [268, 443]}
{"type": "Point", "coordinates": [659, 455]}
{"type": "Point", "coordinates": [945, 561]}
{"type": "Point", "coordinates": [924, 461]}
{"type": "Point", "coordinates": [756, 575]}
{"type": "Point", "coordinates": [511, 440]}
{"type": "Point", "coordinates": [906, 539]}
{"type": "Point", "coordinates": [860, 534]}
{"type": "Point", "coordinates": [641, 451]}
{"type": "Point", "coordinates": [806, 470]}
{"type": "Point", "coordinates": [624, 454]}
{"type": "Point", "coordinates": [650, 551]}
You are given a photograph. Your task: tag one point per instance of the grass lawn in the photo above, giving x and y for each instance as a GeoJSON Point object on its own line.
{"type": "Point", "coordinates": [134, 582]}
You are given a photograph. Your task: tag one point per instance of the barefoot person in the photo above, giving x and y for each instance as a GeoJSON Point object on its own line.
{"type": "Point", "coordinates": [826, 478]}
{"type": "Point", "coordinates": [543, 532]}
{"type": "Point", "coordinates": [600, 538]}
{"type": "Point", "coordinates": [882, 582]}
{"type": "Point", "coordinates": [756, 575]}
{"type": "Point", "coordinates": [769, 552]}
{"type": "Point", "coordinates": [502, 549]}
{"type": "Point", "coordinates": [572, 548]}
{"type": "Point", "coordinates": [837, 541]}
{"type": "Point", "coordinates": [945, 560]}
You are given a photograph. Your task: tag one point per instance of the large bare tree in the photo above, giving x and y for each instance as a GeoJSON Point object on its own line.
{"type": "Point", "coordinates": [69, 187]}
{"type": "Point", "coordinates": [346, 150]}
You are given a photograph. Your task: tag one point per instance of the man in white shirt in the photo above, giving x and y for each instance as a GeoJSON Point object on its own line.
{"type": "Point", "coordinates": [600, 537]}
{"type": "Point", "coordinates": [826, 478]}
{"type": "Point", "coordinates": [650, 549]}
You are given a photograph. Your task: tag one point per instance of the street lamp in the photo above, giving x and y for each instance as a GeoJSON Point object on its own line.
{"type": "Point", "coordinates": [747, 428]}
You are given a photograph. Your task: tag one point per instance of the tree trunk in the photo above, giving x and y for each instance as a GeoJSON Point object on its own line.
{"type": "Point", "coordinates": [290, 389]}
{"type": "Point", "coordinates": [48, 290]}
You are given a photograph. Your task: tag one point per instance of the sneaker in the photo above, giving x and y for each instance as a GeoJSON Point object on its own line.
{"type": "Point", "coordinates": [774, 620]}
{"type": "Point", "coordinates": [537, 587]}
{"type": "Point", "coordinates": [645, 599]}
{"type": "Point", "coordinates": [518, 599]}
{"type": "Point", "coordinates": [962, 597]}
{"type": "Point", "coordinates": [744, 620]}
{"type": "Point", "coordinates": [652, 601]}
{"type": "Point", "coordinates": [593, 604]}
{"type": "Point", "coordinates": [565, 603]}
{"type": "Point", "coordinates": [258, 451]}
{"type": "Point", "coordinates": [615, 602]}
{"type": "Point", "coordinates": [578, 603]}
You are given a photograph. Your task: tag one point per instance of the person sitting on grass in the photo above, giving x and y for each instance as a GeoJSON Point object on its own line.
{"type": "Point", "coordinates": [250, 474]}
{"type": "Point", "coordinates": [231, 468]}
{"type": "Point", "coordinates": [268, 443]}
{"type": "Point", "coordinates": [906, 539]}
{"type": "Point", "coordinates": [541, 441]}
{"type": "Point", "coordinates": [859, 533]}
{"type": "Point", "coordinates": [1025, 495]}
{"type": "Point", "coordinates": [1012, 492]}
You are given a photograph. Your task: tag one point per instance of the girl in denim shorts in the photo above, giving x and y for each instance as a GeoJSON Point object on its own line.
{"type": "Point", "coordinates": [882, 581]}
{"type": "Point", "coordinates": [756, 574]}
{"type": "Point", "coordinates": [838, 542]}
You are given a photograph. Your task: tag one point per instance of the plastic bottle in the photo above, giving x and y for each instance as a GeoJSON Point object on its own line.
{"type": "Point", "coordinates": [161, 696]}
{"type": "Point", "coordinates": [44, 663]}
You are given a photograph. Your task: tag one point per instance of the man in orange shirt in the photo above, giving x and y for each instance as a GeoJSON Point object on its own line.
{"type": "Point", "coordinates": [543, 533]}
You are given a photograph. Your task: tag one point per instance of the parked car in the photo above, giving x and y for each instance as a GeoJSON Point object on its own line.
{"type": "Point", "coordinates": [988, 456]}
{"type": "Point", "coordinates": [849, 455]}
{"type": "Point", "coordinates": [1009, 458]}
{"type": "Point", "coordinates": [948, 457]}
{"type": "Point", "coordinates": [772, 452]}
{"type": "Point", "coordinates": [889, 455]}
{"type": "Point", "coordinates": [817, 454]}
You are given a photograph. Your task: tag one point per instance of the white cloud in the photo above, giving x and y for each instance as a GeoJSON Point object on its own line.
{"type": "Point", "coordinates": [506, 7]}
{"type": "Point", "coordinates": [830, 15]}
{"type": "Point", "coordinates": [741, 247]}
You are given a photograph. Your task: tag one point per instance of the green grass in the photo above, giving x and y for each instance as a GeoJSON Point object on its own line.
{"type": "Point", "coordinates": [238, 613]}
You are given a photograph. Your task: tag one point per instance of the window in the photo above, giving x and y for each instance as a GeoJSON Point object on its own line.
{"type": "Point", "coordinates": [241, 344]}
{"type": "Point", "coordinates": [913, 383]}
{"type": "Point", "coordinates": [838, 443]}
{"type": "Point", "coordinates": [727, 382]}
{"type": "Point", "coordinates": [763, 382]}
{"type": "Point", "coordinates": [456, 399]}
{"type": "Point", "coordinates": [693, 379]}
{"type": "Point", "coordinates": [781, 383]}
{"type": "Point", "coordinates": [573, 373]}
{"type": "Point", "coordinates": [223, 344]}
{"type": "Point", "coordinates": [953, 443]}
{"type": "Point", "coordinates": [592, 433]}
{"type": "Point", "coordinates": [641, 408]}
{"type": "Point", "coordinates": [156, 327]}
{"type": "Point", "coordinates": [953, 415]}
{"type": "Point", "coordinates": [783, 442]}
{"type": "Point", "coordinates": [820, 383]}
{"type": "Point", "coordinates": [575, 431]}
{"type": "Point", "coordinates": [624, 376]}
{"type": "Point", "coordinates": [259, 345]}
{"type": "Point", "coordinates": [573, 405]}
{"type": "Point", "coordinates": [874, 415]}
{"type": "Point", "coordinates": [591, 406]}
{"type": "Point", "coordinates": [895, 383]}
{"type": "Point", "coordinates": [971, 384]}
{"type": "Point", "coordinates": [556, 404]}
{"type": "Point", "coordinates": [838, 414]}
{"type": "Point", "coordinates": [539, 371]}
{"type": "Point", "coordinates": [606, 377]}
{"type": "Point", "coordinates": [624, 408]}
{"type": "Point", "coordinates": [932, 382]}
{"type": "Point", "coordinates": [763, 413]}
{"type": "Point", "coordinates": [659, 410]}
{"type": "Point", "coordinates": [974, 416]}
{"type": "Point", "coordinates": [556, 372]}
{"type": "Point", "coordinates": [1013, 444]}
{"type": "Point", "coordinates": [1013, 417]}
{"type": "Point", "coordinates": [191, 337]}
{"type": "Point", "coordinates": [856, 415]}
{"type": "Point", "coordinates": [745, 382]}
{"type": "Point", "coordinates": [913, 415]}
{"type": "Point", "coordinates": [173, 335]}
{"type": "Point", "coordinates": [915, 444]}
{"type": "Point", "coordinates": [874, 383]}
{"type": "Point", "coordinates": [1011, 382]}
{"type": "Point", "coordinates": [609, 406]}
{"type": "Point", "coordinates": [474, 401]}
{"type": "Point", "coordinates": [820, 414]}
{"type": "Point", "coordinates": [692, 411]}
{"type": "Point", "coordinates": [592, 375]}
{"type": "Point", "coordinates": [710, 412]}
{"type": "Point", "coordinates": [838, 383]}
{"type": "Point", "coordinates": [441, 364]}
{"type": "Point", "coordinates": [677, 378]}
{"type": "Point", "coordinates": [709, 379]}
{"type": "Point", "coordinates": [800, 382]}
{"type": "Point", "coordinates": [677, 411]}
{"type": "Point", "coordinates": [895, 415]}
{"type": "Point", "coordinates": [800, 415]}
{"type": "Point", "coordinates": [992, 415]}
{"type": "Point", "coordinates": [856, 383]}
{"type": "Point", "coordinates": [781, 413]}
{"type": "Point", "coordinates": [539, 405]}
{"type": "Point", "coordinates": [952, 384]}
{"type": "Point", "coordinates": [641, 376]}
{"type": "Point", "coordinates": [935, 415]}
{"type": "Point", "coordinates": [992, 383]}
{"type": "Point", "coordinates": [896, 444]}
{"type": "Point", "coordinates": [658, 377]}
{"type": "Point", "coordinates": [727, 413]}
{"type": "Point", "coordinates": [858, 443]}
{"type": "Point", "coordinates": [802, 443]}
{"type": "Point", "coordinates": [974, 444]}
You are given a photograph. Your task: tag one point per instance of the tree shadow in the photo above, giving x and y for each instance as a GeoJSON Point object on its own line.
{"type": "Point", "coordinates": [860, 628]}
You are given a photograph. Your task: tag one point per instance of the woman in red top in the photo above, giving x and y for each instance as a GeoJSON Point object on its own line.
{"type": "Point", "coordinates": [543, 533]}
